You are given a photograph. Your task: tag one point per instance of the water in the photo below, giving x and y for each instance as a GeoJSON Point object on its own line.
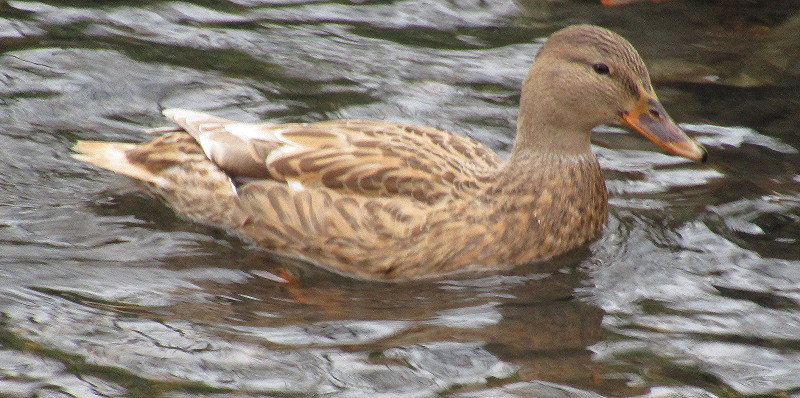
{"type": "Point", "coordinates": [692, 290]}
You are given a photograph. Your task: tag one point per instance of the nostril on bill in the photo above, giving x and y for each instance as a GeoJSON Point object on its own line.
{"type": "Point", "coordinates": [655, 113]}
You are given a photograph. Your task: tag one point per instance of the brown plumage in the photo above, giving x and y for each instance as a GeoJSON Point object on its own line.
{"type": "Point", "coordinates": [386, 200]}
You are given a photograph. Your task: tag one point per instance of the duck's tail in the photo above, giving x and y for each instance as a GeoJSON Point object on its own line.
{"type": "Point", "coordinates": [112, 156]}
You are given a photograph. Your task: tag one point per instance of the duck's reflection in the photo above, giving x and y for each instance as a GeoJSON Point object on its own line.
{"type": "Point", "coordinates": [523, 325]}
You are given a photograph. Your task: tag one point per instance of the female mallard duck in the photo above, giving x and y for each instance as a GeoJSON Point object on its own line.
{"type": "Point", "coordinates": [386, 200]}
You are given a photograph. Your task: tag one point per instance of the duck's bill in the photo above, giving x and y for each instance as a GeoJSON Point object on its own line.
{"type": "Point", "coordinates": [650, 119]}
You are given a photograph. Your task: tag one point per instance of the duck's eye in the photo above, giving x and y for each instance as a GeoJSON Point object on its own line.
{"type": "Point", "coordinates": [600, 68]}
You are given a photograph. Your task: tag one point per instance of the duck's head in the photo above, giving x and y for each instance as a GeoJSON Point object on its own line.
{"type": "Point", "coordinates": [586, 76]}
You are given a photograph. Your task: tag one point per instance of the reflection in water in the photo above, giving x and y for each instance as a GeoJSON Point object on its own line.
{"type": "Point", "coordinates": [691, 291]}
{"type": "Point", "coordinates": [254, 336]}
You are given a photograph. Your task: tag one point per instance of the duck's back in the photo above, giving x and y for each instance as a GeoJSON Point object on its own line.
{"type": "Point", "coordinates": [351, 157]}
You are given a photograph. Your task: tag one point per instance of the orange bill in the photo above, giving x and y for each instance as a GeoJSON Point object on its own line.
{"type": "Point", "coordinates": [649, 118]}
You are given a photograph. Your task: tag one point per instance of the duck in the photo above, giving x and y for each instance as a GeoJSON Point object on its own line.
{"type": "Point", "coordinates": [392, 201]}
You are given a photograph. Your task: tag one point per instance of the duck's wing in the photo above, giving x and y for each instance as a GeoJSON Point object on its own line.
{"type": "Point", "coordinates": [353, 157]}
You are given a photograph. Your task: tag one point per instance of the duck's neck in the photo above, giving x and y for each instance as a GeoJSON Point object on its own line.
{"type": "Point", "coordinates": [550, 122]}
{"type": "Point", "coordinates": [536, 136]}
{"type": "Point", "coordinates": [545, 151]}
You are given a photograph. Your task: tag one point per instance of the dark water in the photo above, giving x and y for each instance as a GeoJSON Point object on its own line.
{"type": "Point", "coordinates": [693, 290]}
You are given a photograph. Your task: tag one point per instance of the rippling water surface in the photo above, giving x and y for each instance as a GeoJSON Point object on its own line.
{"type": "Point", "coordinates": [692, 290]}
